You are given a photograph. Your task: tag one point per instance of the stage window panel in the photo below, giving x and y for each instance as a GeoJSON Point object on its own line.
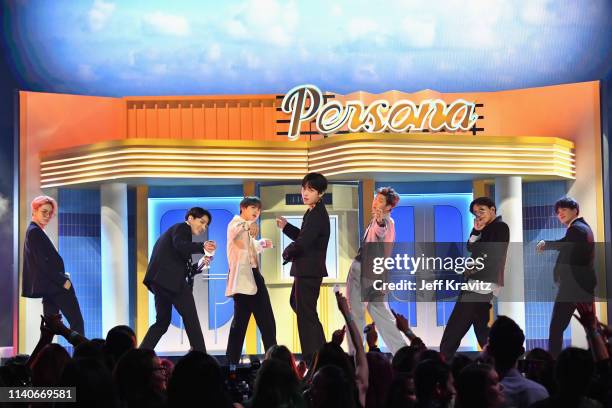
{"type": "Point", "coordinates": [79, 246]}
{"type": "Point", "coordinates": [540, 222]}
{"type": "Point", "coordinates": [448, 235]}
{"type": "Point", "coordinates": [404, 302]}
{"type": "Point", "coordinates": [331, 261]}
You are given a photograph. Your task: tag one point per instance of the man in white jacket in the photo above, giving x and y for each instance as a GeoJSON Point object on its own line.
{"type": "Point", "coordinates": [380, 229]}
{"type": "Point", "coordinates": [245, 283]}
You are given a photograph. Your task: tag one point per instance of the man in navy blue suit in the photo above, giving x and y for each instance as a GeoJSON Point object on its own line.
{"type": "Point", "coordinates": [574, 272]}
{"type": "Point", "coordinates": [307, 255]}
{"type": "Point", "coordinates": [167, 278]}
{"type": "Point", "coordinates": [43, 268]}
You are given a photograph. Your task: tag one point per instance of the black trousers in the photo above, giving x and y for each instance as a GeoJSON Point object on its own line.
{"type": "Point", "coordinates": [303, 300]}
{"type": "Point", "coordinates": [67, 303]}
{"type": "Point", "coordinates": [185, 306]}
{"type": "Point", "coordinates": [244, 305]}
{"type": "Point", "coordinates": [471, 309]}
{"type": "Point", "coordinates": [561, 316]}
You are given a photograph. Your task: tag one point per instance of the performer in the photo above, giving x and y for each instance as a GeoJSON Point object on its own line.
{"type": "Point", "coordinates": [573, 273]}
{"type": "Point", "coordinates": [43, 268]}
{"type": "Point", "coordinates": [245, 282]}
{"type": "Point", "coordinates": [167, 277]}
{"type": "Point", "coordinates": [380, 229]}
{"type": "Point", "coordinates": [307, 254]}
{"type": "Point", "coordinates": [489, 241]}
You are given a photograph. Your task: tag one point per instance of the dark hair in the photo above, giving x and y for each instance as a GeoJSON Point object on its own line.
{"type": "Point", "coordinates": [119, 340]}
{"type": "Point", "coordinates": [283, 354]}
{"type": "Point", "coordinates": [486, 201]}
{"type": "Point", "coordinates": [275, 386]}
{"type": "Point", "coordinates": [427, 375]}
{"type": "Point", "coordinates": [380, 377]}
{"type": "Point", "coordinates": [198, 212]}
{"type": "Point", "coordinates": [250, 200]}
{"type": "Point", "coordinates": [134, 377]}
{"type": "Point", "coordinates": [574, 371]}
{"type": "Point", "coordinates": [331, 388]}
{"type": "Point", "coordinates": [390, 195]}
{"type": "Point", "coordinates": [506, 340]}
{"type": "Point", "coordinates": [405, 359]}
{"type": "Point", "coordinates": [540, 367]}
{"type": "Point", "coordinates": [93, 382]}
{"type": "Point", "coordinates": [471, 386]}
{"type": "Point", "coordinates": [197, 374]}
{"type": "Point", "coordinates": [316, 181]}
{"type": "Point", "coordinates": [567, 202]}
{"type": "Point", "coordinates": [48, 365]}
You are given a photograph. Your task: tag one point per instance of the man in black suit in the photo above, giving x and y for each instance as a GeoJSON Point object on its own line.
{"type": "Point", "coordinates": [573, 273]}
{"type": "Point", "coordinates": [167, 278]}
{"type": "Point", "coordinates": [43, 268]}
{"type": "Point", "coordinates": [307, 253]}
{"type": "Point", "coordinates": [488, 241]}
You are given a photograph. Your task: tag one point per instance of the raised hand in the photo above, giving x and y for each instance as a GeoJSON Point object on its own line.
{"type": "Point", "coordinates": [540, 246]}
{"type": "Point", "coordinates": [54, 324]}
{"type": "Point", "coordinates": [338, 336]}
{"type": "Point", "coordinates": [253, 230]}
{"type": "Point", "coordinates": [281, 222]}
{"type": "Point", "coordinates": [343, 305]}
{"type": "Point", "coordinates": [587, 316]}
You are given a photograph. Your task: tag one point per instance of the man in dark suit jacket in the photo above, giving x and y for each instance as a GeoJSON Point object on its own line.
{"type": "Point", "coordinates": [573, 273]}
{"type": "Point", "coordinates": [43, 268]}
{"type": "Point", "coordinates": [489, 241]}
{"type": "Point", "coordinates": [307, 253]}
{"type": "Point", "coordinates": [166, 278]}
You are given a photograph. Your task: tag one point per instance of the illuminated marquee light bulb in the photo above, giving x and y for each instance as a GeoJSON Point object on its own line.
{"type": "Point", "coordinates": [304, 103]}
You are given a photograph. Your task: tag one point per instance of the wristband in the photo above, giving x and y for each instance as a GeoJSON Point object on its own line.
{"type": "Point", "coordinates": [349, 318]}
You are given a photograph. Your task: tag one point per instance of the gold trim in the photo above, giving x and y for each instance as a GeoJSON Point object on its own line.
{"type": "Point", "coordinates": [342, 155]}
{"type": "Point", "coordinates": [142, 255]}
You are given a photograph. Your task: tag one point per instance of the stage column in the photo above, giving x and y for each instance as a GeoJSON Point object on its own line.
{"type": "Point", "coordinates": [509, 201]}
{"type": "Point", "coordinates": [114, 255]}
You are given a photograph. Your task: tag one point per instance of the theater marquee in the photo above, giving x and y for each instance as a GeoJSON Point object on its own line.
{"type": "Point", "coordinates": [306, 102]}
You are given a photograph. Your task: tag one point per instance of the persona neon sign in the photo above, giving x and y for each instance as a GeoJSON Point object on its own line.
{"type": "Point", "coordinates": [306, 103]}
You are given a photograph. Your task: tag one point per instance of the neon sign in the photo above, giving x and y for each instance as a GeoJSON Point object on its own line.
{"type": "Point", "coordinates": [305, 103]}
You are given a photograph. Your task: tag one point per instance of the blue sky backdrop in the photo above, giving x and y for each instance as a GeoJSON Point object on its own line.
{"type": "Point", "coordinates": [116, 48]}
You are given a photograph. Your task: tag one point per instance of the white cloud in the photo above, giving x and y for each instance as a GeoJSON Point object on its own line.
{"type": "Point", "coordinates": [236, 29]}
{"type": "Point", "coordinates": [336, 10]}
{"type": "Point", "coordinates": [265, 21]}
{"type": "Point", "coordinates": [159, 69]}
{"type": "Point", "coordinates": [214, 52]}
{"type": "Point", "coordinates": [420, 31]}
{"type": "Point", "coordinates": [537, 12]}
{"type": "Point", "coordinates": [167, 23]}
{"type": "Point", "coordinates": [362, 27]}
{"type": "Point", "coordinates": [86, 72]}
{"type": "Point", "coordinates": [252, 60]}
{"type": "Point", "coordinates": [99, 14]}
{"type": "Point", "coordinates": [4, 206]}
{"type": "Point", "coordinates": [365, 73]}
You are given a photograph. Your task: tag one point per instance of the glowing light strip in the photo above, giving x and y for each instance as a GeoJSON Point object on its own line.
{"type": "Point", "coordinates": [176, 175]}
{"type": "Point", "coordinates": [154, 165]}
{"type": "Point", "coordinates": [191, 150]}
{"type": "Point", "coordinates": [323, 150]}
{"type": "Point", "coordinates": [375, 166]}
{"type": "Point", "coordinates": [300, 173]}
{"type": "Point", "coordinates": [402, 157]}
{"type": "Point", "coordinates": [340, 156]}
{"type": "Point", "coordinates": [171, 157]}
{"type": "Point", "coordinates": [423, 170]}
